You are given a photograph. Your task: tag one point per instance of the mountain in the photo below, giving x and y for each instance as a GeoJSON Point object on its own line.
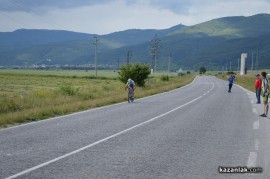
{"type": "Point", "coordinates": [137, 36]}
{"type": "Point", "coordinates": [213, 44]}
{"type": "Point", "coordinates": [231, 27]}
{"type": "Point", "coordinates": [220, 41]}
{"type": "Point", "coordinates": [27, 38]}
{"type": "Point", "coordinates": [24, 47]}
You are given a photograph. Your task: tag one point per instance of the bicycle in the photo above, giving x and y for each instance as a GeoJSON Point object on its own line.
{"type": "Point", "coordinates": [130, 96]}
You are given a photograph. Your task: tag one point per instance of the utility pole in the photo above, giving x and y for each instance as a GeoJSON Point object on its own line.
{"type": "Point", "coordinates": [257, 61]}
{"type": "Point", "coordinates": [169, 62]}
{"type": "Point", "coordinates": [252, 64]}
{"type": "Point", "coordinates": [129, 55]}
{"type": "Point", "coordinates": [239, 65]}
{"type": "Point", "coordinates": [96, 44]}
{"type": "Point", "coordinates": [155, 51]}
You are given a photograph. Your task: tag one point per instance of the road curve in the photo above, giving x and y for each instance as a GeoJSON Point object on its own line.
{"type": "Point", "coordinates": [184, 133]}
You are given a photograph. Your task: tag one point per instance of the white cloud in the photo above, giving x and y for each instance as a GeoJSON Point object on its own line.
{"type": "Point", "coordinates": [115, 15]}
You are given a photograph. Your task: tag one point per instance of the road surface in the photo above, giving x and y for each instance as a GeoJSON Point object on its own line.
{"type": "Point", "coordinates": [185, 133]}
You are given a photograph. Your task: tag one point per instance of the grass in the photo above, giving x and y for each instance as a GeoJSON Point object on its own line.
{"type": "Point", "coordinates": [33, 95]}
{"type": "Point", "coordinates": [246, 81]}
{"type": "Point", "coordinates": [62, 73]}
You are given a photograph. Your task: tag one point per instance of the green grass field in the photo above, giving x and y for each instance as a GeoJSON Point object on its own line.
{"type": "Point", "coordinates": [63, 73]}
{"type": "Point", "coordinates": [246, 81]}
{"type": "Point", "coordinates": [30, 95]}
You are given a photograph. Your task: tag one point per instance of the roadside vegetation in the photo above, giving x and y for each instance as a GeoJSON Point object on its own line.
{"type": "Point", "coordinates": [34, 95]}
{"type": "Point", "coordinates": [246, 81]}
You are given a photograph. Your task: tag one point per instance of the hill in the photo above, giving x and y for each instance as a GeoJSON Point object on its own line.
{"type": "Point", "coordinates": [220, 41]}
{"type": "Point", "coordinates": [231, 27]}
{"type": "Point", "coordinates": [200, 45]}
{"type": "Point", "coordinates": [26, 47]}
{"type": "Point", "coordinates": [24, 38]}
{"type": "Point", "coordinates": [213, 44]}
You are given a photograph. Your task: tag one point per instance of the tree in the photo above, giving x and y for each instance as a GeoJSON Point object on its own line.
{"type": "Point", "coordinates": [137, 72]}
{"type": "Point", "coordinates": [202, 70]}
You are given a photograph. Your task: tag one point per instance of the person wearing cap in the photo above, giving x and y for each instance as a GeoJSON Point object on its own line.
{"type": "Point", "coordinates": [258, 88]}
{"type": "Point", "coordinates": [265, 94]}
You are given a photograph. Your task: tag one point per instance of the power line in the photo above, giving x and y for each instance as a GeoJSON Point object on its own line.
{"type": "Point", "coordinates": [14, 19]}
{"type": "Point", "coordinates": [34, 14]}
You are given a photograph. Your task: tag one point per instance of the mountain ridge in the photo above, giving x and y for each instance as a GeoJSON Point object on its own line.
{"type": "Point", "coordinates": [190, 45]}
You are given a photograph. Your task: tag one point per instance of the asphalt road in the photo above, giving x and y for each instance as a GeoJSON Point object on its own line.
{"type": "Point", "coordinates": [185, 133]}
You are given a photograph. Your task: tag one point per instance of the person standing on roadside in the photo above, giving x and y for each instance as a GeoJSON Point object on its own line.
{"type": "Point", "coordinates": [231, 81]}
{"type": "Point", "coordinates": [258, 88]}
{"type": "Point", "coordinates": [265, 94]}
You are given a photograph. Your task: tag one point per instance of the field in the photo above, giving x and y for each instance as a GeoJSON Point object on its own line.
{"type": "Point", "coordinates": [246, 81]}
{"type": "Point", "coordinates": [63, 73]}
{"type": "Point", "coordinates": [30, 95]}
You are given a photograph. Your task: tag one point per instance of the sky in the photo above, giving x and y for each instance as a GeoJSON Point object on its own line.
{"type": "Point", "coordinates": [107, 16]}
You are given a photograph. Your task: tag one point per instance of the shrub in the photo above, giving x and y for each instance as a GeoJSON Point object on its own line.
{"type": "Point", "coordinates": [202, 70]}
{"type": "Point", "coordinates": [137, 72]}
{"type": "Point", "coordinates": [188, 72]}
{"type": "Point", "coordinates": [230, 73]}
{"type": "Point", "coordinates": [68, 90]}
{"type": "Point", "coordinates": [165, 78]}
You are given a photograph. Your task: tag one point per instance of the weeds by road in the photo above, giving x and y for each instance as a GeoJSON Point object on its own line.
{"type": "Point", "coordinates": [25, 97]}
{"type": "Point", "coordinates": [246, 81]}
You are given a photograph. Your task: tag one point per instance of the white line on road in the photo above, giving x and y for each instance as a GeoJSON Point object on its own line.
{"type": "Point", "coordinates": [102, 140]}
{"type": "Point", "coordinates": [252, 158]}
{"type": "Point", "coordinates": [254, 110]}
{"type": "Point", "coordinates": [98, 108]}
{"type": "Point", "coordinates": [256, 125]}
{"type": "Point", "coordinates": [257, 143]}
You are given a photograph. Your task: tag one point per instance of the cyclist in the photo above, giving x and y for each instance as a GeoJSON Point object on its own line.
{"type": "Point", "coordinates": [130, 86]}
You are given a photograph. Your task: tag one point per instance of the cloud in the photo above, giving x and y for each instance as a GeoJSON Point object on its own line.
{"type": "Point", "coordinates": [19, 5]}
{"type": "Point", "coordinates": [105, 16]}
{"type": "Point", "coordinates": [196, 11]}
{"type": "Point", "coordinates": [115, 16]}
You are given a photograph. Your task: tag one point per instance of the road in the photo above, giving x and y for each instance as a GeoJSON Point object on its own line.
{"type": "Point", "coordinates": [185, 133]}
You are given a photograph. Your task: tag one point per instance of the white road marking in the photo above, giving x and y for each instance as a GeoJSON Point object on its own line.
{"type": "Point", "coordinates": [102, 140]}
{"type": "Point", "coordinates": [257, 143]}
{"type": "Point", "coordinates": [254, 111]}
{"type": "Point", "coordinates": [256, 125]}
{"type": "Point", "coordinates": [98, 108]}
{"type": "Point", "coordinates": [252, 158]}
